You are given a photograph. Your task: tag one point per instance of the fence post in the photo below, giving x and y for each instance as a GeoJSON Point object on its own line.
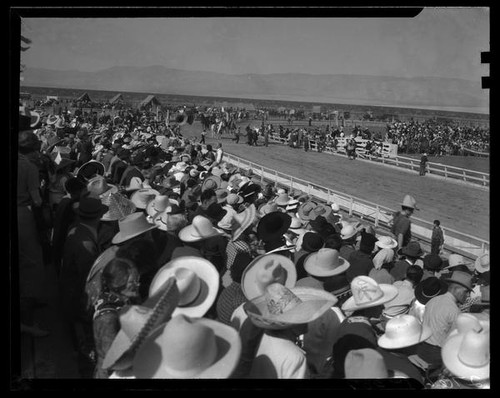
{"type": "Point", "coordinates": [445, 172]}
{"type": "Point", "coordinates": [465, 177]}
{"type": "Point", "coordinates": [261, 174]}
{"type": "Point", "coordinates": [351, 205]}
{"type": "Point", "coordinates": [484, 180]}
{"type": "Point", "coordinates": [376, 218]}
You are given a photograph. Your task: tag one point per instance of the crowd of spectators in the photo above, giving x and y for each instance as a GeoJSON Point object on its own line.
{"type": "Point", "coordinates": [174, 263]}
{"type": "Point", "coordinates": [438, 138]}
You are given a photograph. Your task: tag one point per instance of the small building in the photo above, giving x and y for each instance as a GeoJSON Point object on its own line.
{"type": "Point", "coordinates": [117, 99]}
{"type": "Point", "coordinates": [84, 98]}
{"type": "Point", "coordinates": [150, 102]}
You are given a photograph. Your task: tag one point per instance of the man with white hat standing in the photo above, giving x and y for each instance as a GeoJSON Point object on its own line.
{"type": "Point", "coordinates": [401, 226]}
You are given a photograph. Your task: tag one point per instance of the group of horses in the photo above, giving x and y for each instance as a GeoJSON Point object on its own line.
{"type": "Point", "coordinates": [217, 125]}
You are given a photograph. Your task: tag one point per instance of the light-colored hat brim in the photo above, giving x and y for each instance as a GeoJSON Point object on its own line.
{"type": "Point", "coordinates": [228, 355]}
{"type": "Point", "coordinates": [249, 284]}
{"type": "Point", "coordinates": [122, 343]}
{"type": "Point", "coordinates": [393, 244]}
{"type": "Point", "coordinates": [208, 275]}
{"type": "Point", "coordinates": [121, 237]}
{"type": "Point", "coordinates": [389, 292]}
{"type": "Point", "coordinates": [312, 268]}
{"type": "Point", "coordinates": [314, 304]}
{"type": "Point", "coordinates": [139, 204]}
{"type": "Point", "coordinates": [403, 341]}
{"type": "Point", "coordinates": [449, 354]}
{"type": "Point", "coordinates": [189, 234]}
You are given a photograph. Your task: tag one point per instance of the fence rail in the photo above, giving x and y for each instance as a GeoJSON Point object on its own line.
{"type": "Point", "coordinates": [455, 241]}
{"type": "Point", "coordinates": [438, 169]}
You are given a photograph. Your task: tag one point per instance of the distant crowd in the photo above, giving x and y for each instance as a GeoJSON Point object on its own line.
{"type": "Point", "coordinates": [438, 138]}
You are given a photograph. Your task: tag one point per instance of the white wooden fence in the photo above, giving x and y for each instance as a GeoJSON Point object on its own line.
{"type": "Point", "coordinates": [388, 156]}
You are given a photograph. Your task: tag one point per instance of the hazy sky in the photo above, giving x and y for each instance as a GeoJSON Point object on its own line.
{"type": "Point", "coordinates": [442, 42]}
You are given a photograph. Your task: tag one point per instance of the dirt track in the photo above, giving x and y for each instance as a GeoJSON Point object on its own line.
{"type": "Point", "coordinates": [463, 208]}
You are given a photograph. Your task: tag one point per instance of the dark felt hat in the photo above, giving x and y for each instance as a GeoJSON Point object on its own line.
{"type": "Point", "coordinates": [273, 225]}
{"type": "Point", "coordinates": [312, 242]}
{"type": "Point", "coordinates": [429, 288]}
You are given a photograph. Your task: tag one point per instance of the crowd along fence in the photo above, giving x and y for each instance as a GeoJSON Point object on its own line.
{"type": "Point", "coordinates": [380, 216]}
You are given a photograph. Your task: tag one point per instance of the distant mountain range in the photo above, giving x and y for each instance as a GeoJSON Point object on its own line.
{"type": "Point", "coordinates": [418, 92]}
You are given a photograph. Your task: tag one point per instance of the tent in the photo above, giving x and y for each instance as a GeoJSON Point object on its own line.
{"type": "Point", "coordinates": [117, 98]}
{"type": "Point", "coordinates": [84, 98]}
{"type": "Point", "coordinates": [150, 100]}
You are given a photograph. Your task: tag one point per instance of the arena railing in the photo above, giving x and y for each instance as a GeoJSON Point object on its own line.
{"type": "Point", "coordinates": [437, 169]}
{"type": "Point", "coordinates": [380, 216]}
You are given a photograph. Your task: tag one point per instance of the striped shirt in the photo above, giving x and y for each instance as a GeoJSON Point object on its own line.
{"type": "Point", "coordinates": [230, 299]}
{"type": "Point", "coordinates": [232, 250]}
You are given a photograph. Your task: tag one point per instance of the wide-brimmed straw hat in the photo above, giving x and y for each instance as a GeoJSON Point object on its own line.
{"type": "Point", "coordinates": [305, 211]}
{"type": "Point", "coordinates": [296, 226]}
{"type": "Point", "coordinates": [131, 226]}
{"type": "Point", "coordinates": [386, 242]}
{"type": "Point", "coordinates": [292, 205]}
{"type": "Point", "coordinates": [189, 348]}
{"type": "Point", "coordinates": [325, 211]}
{"type": "Point", "coordinates": [273, 225]}
{"type": "Point", "coordinates": [403, 331]}
{"type": "Point", "coordinates": [467, 355]}
{"type": "Point", "coordinates": [400, 304]}
{"type": "Point", "coordinates": [282, 199]}
{"type": "Point", "coordinates": [409, 201]}
{"type": "Point", "coordinates": [264, 270]}
{"type": "Point", "coordinates": [142, 197]}
{"type": "Point", "coordinates": [348, 231]}
{"type": "Point", "coordinates": [172, 219]}
{"type": "Point", "coordinates": [119, 207]}
{"type": "Point", "coordinates": [241, 221]}
{"type": "Point", "coordinates": [325, 262]}
{"type": "Point", "coordinates": [99, 186]}
{"type": "Point", "coordinates": [211, 182]}
{"type": "Point", "coordinates": [157, 205]}
{"type": "Point", "coordinates": [137, 321]}
{"type": "Point", "coordinates": [454, 260]}
{"type": "Point", "coordinates": [199, 229]}
{"type": "Point", "coordinates": [197, 280]}
{"type": "Point", "coordinates": [429, 288]}
{"type": "Point", "coordinates": [134, 184]}
{"type": "Point", "coordinates": [90, 169]}
{"type": "Point", "coordinates": [366, 293]}
{"type": "Point", "coordinates": [482, 263]}
{"type": "Point", "coordinates": [281, 308]}
{"type": "Point", "coordinates": [234, 199]}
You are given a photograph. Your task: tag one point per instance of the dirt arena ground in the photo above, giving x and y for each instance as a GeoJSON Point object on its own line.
{"type": "Point", "coordinates": [459, 207]}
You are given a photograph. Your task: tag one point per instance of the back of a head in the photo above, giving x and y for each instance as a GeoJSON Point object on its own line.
{"type": "Point", "coordinates": [116, 273]}
{"type": "Point", "coordinates": [140, 251]}
{"type": "Point", "coordinates": [333, 241]}
{"type": "Point", "coordinates": [414, 274]}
